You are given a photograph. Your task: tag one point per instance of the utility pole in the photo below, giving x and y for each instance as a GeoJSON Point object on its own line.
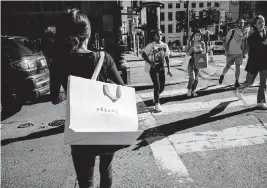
{"type": "Point", "coordinates": [188, 15]}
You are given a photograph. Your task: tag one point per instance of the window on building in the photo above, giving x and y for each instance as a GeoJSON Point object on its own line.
{"type": "Point", "coordinates": [185, 5]}
{"type": "Point", "coordinates": [194, 5]}
{"type": "Point", "coordinates": [162, 16]}
{"type": "Point", "coordinates": [201, 5]}
{"type": "Point", "coordinates": [162, 28]}
{"type": "Point", "coordinates": [217, 4]}
{"type": "Point", "coordinates": [200, 15]}
{"type": "Point", "coordinates": [163, 39]}
{"type": "Point", "coordinates": [177, 5]}
{"type": "Point", "coordinates": [208, 4]}
{"type": "Point", "coordinates": [169, 5]}
{"type": "Point", "coordinates": [170, 28]}
{"type": "Point", "coordinates": [169, 16]}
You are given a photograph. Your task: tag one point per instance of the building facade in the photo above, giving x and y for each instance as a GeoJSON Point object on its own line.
{"type": "Point", "coordinates": [171, 8]}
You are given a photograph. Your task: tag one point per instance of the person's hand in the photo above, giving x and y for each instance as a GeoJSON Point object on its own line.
{"type": "Point", "coordinates": [169, 73]}
{"type": "Point", "coordinates": [265, 42]}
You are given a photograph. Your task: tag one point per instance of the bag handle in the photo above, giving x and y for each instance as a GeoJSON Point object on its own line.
{"type": "Point", "coordinates": [98, 66]}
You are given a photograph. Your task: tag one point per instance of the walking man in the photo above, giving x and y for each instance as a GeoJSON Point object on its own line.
{"type": "Point", "coordinates": [233, 51]}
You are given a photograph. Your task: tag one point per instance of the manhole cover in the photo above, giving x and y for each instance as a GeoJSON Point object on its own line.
{"type": "Point", "coordinates": [57, 123]}
{"type": "Point", "coordinates": [25, 125]}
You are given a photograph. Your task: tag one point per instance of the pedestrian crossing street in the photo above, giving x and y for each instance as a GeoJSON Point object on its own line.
{"type": "Point", "coordinates": [167, 149]}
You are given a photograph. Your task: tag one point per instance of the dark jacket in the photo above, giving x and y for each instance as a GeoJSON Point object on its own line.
{"type": "Point", "coordinates": [83, 65]}
{"type": "Point", "coordinates": [257, 55]}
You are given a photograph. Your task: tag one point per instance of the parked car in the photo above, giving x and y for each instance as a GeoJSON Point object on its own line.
{"type": "Point", "coordinates": [24, 72]}
{"type": "Point", "coordinates": [216, 46]}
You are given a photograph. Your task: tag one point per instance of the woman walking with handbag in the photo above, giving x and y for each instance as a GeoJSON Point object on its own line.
{"type": "Point", "coordinates": [73, 58]}
{"type": "Point", "coordinates": [156, 54]}
{"type": "Point", "coordinates": [257, 55]}
{"type": "Point", "coordinates": [195, 45]}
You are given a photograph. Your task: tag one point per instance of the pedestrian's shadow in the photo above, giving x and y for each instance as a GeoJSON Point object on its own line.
{"type": "Point", "coordinates": [158, 133]}
{"type": "Point", "coordinates": [200, 92]}
{"type": "Point", "coordinates": [59, 124]}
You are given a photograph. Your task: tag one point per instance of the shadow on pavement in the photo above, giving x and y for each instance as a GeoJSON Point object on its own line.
{"type": "Point", "coordinates": [201, 92]}
{"type": "Point", "coordinates": [48, 132]}
{"type": "Point", "coordinates": [171, 128]}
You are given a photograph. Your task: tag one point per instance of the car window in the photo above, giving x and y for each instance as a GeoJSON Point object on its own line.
{"type": "Point", "coordinates": [16, 50]}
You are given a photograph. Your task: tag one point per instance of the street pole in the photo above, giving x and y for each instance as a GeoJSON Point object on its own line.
{"type": "Point", "coordinates": [187, 12]}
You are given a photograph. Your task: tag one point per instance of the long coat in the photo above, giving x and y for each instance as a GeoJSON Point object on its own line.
{"type": "Point", "coordinates": [257, 55]}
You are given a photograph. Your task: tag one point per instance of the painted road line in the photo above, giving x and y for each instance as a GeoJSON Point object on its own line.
{"type": "Point", "coordinates": [166, 158]}
{"type": "Point", "coordinates": [213, 140]}
{"type": "Point", "coordinates": [201, 106]}
{"type": "Point", "coordinates": [177, 92]}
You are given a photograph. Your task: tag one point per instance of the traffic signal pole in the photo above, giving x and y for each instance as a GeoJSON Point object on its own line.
{"type": "Point", "coordinates": [188, 17]}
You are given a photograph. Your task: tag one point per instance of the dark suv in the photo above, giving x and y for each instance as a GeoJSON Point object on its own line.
{"type": "Point", "coordinates": [24, 73]}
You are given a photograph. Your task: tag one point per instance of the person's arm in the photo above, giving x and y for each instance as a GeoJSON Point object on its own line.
{"type": "Point", "coordinates": [167, 54]}
{"type": "Point", "coordinates": [203, 47]}
{"type": "Point", "coordinates": [113, 73]}
{"type": "Point", "coordinates": [189, 50]}
{"type": "Point", "coordinates": [55, 82]}
{"type": "Point", "coordinates": [227, 39]}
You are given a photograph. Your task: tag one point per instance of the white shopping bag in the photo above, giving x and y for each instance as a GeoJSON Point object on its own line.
{"type": "Point", "coordinates": [99, 113]}
{"type": "Point", "coordinates": [185, 62]}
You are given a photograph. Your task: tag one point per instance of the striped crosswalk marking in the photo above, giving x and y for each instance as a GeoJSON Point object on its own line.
{"type": "Point", "coordinates": [166, 150]}
{"type": "Point", "coordinates": [176, 92]}
{"type": "Point", "coordinates": [201, 106]}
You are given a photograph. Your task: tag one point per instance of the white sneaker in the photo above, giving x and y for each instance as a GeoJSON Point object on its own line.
{"type": "Point", "coordinates": [189, 93]}
{"type": "Point", "coordinates": [262, 105]}
{"type": "Point", "coordinates": [158, 107]}
{"type": "Point", "coordinates": [239, 95]}
{"type": "Point", "coordinates": [194, 94]}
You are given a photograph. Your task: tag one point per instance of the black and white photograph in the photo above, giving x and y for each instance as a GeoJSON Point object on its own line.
{"type": "Point", "coordinates": [133, 94]}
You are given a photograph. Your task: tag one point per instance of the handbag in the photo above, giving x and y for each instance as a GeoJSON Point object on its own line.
{"type": "Point", "coordinates": [99, 113]}
{"type": "Point", "coordinates": [201, 60]}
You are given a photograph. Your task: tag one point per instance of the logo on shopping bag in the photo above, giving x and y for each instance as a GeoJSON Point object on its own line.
{"type": "Point", "coordinates": [110, 95]}
{"type": "Point", "coordinates": [201, 60]}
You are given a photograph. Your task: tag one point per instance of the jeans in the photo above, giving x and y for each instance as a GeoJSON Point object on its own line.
{"type": "Point", "coordinates": [157, 75]}
{"type": "Point", "coordinates": [250, 78]}
{"type": "Point", "coordinates": [84, 164]}
{"type": "Point", "coordinates": [193, 73]}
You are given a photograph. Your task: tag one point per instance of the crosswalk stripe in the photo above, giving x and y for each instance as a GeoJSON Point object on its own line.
{"type": "Point", "coordinates": [166, 157]}
{"type": "Point", "coordinates": [212, 140]}
{"type": "Point", "coordinates": [176, 92]}
{"type": "Point", "coordinates": [201, 106]}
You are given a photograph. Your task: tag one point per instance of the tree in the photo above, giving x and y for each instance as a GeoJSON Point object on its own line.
{"type": "Point", "coordinates": [181, 19]}
{"type": "Point", "coordinates": [210, 16]}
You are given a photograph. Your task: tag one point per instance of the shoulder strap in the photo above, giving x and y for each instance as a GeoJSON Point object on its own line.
{"type": "Point", "coordinates": [98, 66]}
{"type": "Point", "coordinates": [231, 37]}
